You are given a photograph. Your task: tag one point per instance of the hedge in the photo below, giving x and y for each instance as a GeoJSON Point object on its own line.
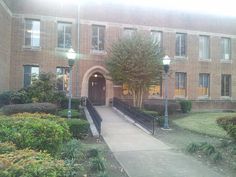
{"type": "Point", "coordinates": [78, 128]}
{"type": "Point", "coordinates": [229, 125]}
{"type": "Point", "coordinates": [74, 113]}
{"type": "Point", "coordinates": [30, 163]}
{"type": "Point", "coordinates": [159, 107]}
{"type": "Point", "coordinates": [185, 105]}
{"type": "Point", "coordinates": [34, 133]}
{"type": "Point", "coordinates": [31, 108]}
{"type": "Point", "coordinates": [75, 102]}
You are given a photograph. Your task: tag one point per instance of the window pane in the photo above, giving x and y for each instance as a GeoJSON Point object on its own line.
{"type": "Point", "coordinates": [128, 32]}
{"type": "Point", "coordinates": [64, 35]}
{"type": "Point", "coordinates": [204, 47]}
{"type": "Point", "coordinates": [98, 37]}
{"type": "Point", "coordinates": [30, 73]}
{"type": "Point", "coordinates": [180, 84]}
{"type": "Point", "coordinates": [62, 78]}
{"type": "Point", "coordinates": [226, 85]}
{"type": "Point", "coordinates": [226, 48]}
{"type": "Point", "coordinates": [32, 33]}
{"type": "Point", "coordinates": [180, 47]}
{"type": "Point", "coordinates": [204, 85]}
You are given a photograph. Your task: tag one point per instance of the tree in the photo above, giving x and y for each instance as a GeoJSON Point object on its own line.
{"type": "Point", "coordinates": [135, 61]}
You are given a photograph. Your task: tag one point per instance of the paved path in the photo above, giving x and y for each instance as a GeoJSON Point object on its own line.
{"type": "Point", "coordinates": [142, 155]}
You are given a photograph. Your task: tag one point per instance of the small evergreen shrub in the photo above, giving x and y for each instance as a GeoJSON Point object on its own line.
{"type": "Point", "coordinates": [91, 153]}
{"type": "Point", "coordinates": [185, 105]}
{"type": "Point", "coordinates": [74, 113]}
{"type": "Point", "coordinates": [97, 164]}
{"type": "Point", "coordinates": [31, 108]}
{"type": "Point", "coordinates": [78, 128]}
{"type": "Point", "coordinates": [192, 148]}
{"type": "Point", "coordinates": [229, 125]}
{"type": "Point", "coordinates": [71, 150]}
{"type": "Point", "coordinates": [75, 102]}
{"type": "Point", "coordinates": [5, 98]}
{"type": "Point", "coordinates": [34, 133]}
{"type": "Point", "coordinates": [31, 164]}
{"type": "Point", "coordinates": [7, 147]}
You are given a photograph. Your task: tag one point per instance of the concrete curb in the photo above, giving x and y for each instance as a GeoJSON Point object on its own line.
{"type": "Point", "coordinates": [92, 126]}
{"type": "Point", "coordinates": [131, 121]}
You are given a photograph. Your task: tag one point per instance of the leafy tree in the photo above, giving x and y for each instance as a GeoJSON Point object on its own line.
{"type": "Point", "coordinates": [135, 61]}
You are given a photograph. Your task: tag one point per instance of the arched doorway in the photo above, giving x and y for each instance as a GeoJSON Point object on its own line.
{"type": "Point", "coordinates": [97, 89]}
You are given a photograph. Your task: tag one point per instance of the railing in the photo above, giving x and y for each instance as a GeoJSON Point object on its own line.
{"type": "Point", "coordinates": [145, 120]}
{"type": "Point", "coordinates": [94, 114]}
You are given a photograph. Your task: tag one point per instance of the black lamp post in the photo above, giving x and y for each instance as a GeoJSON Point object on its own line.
{"type": "Point", "coordinates": [166, 64]}
{"type": "Point", "coordinates": [71, 55]}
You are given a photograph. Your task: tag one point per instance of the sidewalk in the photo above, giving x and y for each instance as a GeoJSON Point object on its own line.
{"type": "Point", "coordinates": [142, 155]}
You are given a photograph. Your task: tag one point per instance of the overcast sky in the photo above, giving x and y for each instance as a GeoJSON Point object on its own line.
{"type": "Point", "coordinates": [216, 7]}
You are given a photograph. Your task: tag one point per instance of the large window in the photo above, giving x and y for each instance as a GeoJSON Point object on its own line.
{"type": "Point", "coordinates": [225, 48]}
{"type": "Point", "coordinates": [204, 85]}
{"type": "Point", "coordinates": [128, 32]}
{"type": "Point", "coordinates": [180, 45]}
{"type": "Point", "coordinates": [180, 84]}
{"type": "Point", "coordinates": [30, 73]}
{"type": "Point", "coordinates": [64, 35]}
{"type": "Point", "coordinates": [226, 85]}
{"type": "Point", "coordinates": [32, 33]}
{"type": "Point", "coordinates": [98, 37]}
{"type": "Point", "coordinates": [157, 38]}
{"type": "Point", "coordinates": [204, 47]}
{"type": "Point", "coordinates": [62, 78]}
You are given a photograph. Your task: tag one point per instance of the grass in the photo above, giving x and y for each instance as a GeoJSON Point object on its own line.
{"type": "Point", "coordinates": [204, 123]}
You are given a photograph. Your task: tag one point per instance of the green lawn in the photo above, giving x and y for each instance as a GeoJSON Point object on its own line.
{"type": "Point", "coordinates": [204, 123]}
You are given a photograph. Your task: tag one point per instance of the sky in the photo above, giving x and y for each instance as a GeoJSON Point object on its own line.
{"type": "Point", "coordinates": [215, 7]}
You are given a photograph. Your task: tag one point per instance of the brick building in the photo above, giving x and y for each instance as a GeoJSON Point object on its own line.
{"type": "Point", "coordinates": [35, 36]}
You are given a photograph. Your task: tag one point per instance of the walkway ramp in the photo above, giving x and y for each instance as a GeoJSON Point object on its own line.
{"type": "Point", "coordinates": [142, 155]}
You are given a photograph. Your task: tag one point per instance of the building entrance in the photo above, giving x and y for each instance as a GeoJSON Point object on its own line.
{"type": "Point", "coordinates": [97, 89]}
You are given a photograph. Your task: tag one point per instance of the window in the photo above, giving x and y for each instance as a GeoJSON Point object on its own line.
{"type": "Point", "coordinates": [32, 33]}
{"type": "Point", "coordinates": [180, 45]}
{"type": "Point", "coordinates": [155, 90]}
{"type": "Point", "coordinates": [157, 38]}
{"type": "Point", "coordinates": [226, 85]}
{"type": "Point", "coordinates": [30, 74]}
{"type": "Point", "coordinates": [98, 37]}
{"type": "Point", "coordinates": [204, 47]}
{"type": "Point", "coordinates": [225, 48]}
{"type": "Point", "coordinates": [125, 90]}
{"type": "Point", "coordinates": [128, 32]}
{"type": "Point", "coordinates": [180, 84]}
{"type": "Point", "coordinates": [63, 78]}
{"type": "Point", "coordinates": [64, 35]}
{"type": "Point", "coordinates": [204, 85]}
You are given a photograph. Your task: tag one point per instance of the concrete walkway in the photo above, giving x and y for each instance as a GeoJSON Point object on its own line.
{"type": "Point", "coordinates": [142, 155]}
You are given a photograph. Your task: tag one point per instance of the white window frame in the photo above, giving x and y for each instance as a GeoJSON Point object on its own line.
{"type": "Point", "coordinates": [30, 74]}
{"type": "Point", "coordinates": [97, 37]}
{"type": "Point", "coordinates": [178, 42]}
{"type": "Point", "coordinates": [35, 33]}
{"type": "Point", "coordinates": [64, 24]}
{"type": "Point", "coordinates": [224, 55]}
{"type": "Point", "coordinates": [204, 47]}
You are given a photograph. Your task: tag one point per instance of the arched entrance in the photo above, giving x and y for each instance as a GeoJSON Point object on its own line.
{"type": "Point", "coordinates": [97, 89]}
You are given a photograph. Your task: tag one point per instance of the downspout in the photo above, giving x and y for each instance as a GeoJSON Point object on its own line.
{"type": "Point", "coordinates": [78, 49]}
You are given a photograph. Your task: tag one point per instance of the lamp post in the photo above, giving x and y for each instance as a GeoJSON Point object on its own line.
{"type": "Point", "coordinates": [71, 55]}
{"type": "Point", "coordinates": [166, 64]}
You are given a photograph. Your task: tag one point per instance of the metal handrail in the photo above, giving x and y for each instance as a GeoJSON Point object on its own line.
{"type": "Point", "coordinates": [145, 120]}
{"type": "Point", "coordinates": [94, 114]}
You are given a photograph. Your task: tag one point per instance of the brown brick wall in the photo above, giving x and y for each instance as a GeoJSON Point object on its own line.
{"type": "Point", "coordinates": [5, 48]}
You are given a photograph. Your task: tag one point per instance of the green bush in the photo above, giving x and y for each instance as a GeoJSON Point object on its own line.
{"type": "Point", "coordinates": [92, 153]}
{"type": "Point", "coordinates": [74, 113]}
{"type": "Point", "coordinates": [78, 128]}
{"type": "Point", "coordinates": [5, 98]}
{"type": "Point", "coordinates": [185, 105]}
{"type": "Point", "coordinates": [97, 164]}
{"type": "Point", "coordinates": [31, 108]}
{"type": "Point", "coordinates": [20, 97]}
{"type": "Point", "coordinates": [71, 150]}
{"type": "Point", "coordinates": [34, 133]}
{"type": "Point", "coordinates": [7, 147]}
{"type": "Point", "coordinates": [192, 148]}
{"type": "Point", "coordinates": [229, 125]}
{"type": "Point", "coordinates": [75, 102]}
{"type": "Point", "coordinates": [30, 163]}
{"type": "Point", "coordinates": [159, 107]}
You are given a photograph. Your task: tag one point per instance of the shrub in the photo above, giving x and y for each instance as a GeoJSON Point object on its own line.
{"type": "Point", "coordinates": [39, 134]}
{"type": "Point", "coordinates": [31, 108]}
{"type": "Point", "coordinates": [20, 97]}
{"type": "Point", "coordinates": [75, 102]}
{"type": "Point", "coordinates": [158, 107]}
{"type": "Point", "coordinates": [186, 106]}
{"type": "Point", "coordinates": [31, 164]}
{"type": "Point", "coordinates": [78, 128]}
{"type": "Point", "coordinates": [71, 150]}
{"type": "Point", "coordinates": [97, 164]}
{"type": "Point", "coordinates": [5, 98]}
{"type": "Point", "coordinates": [229, 125]}
{"type": "Point", "coordinates": [92, 153]}
{"type": "Point", "coordinates": [192, 148]}
{"type": "Point", "coordinates": [7, 147]}
{"type": "Point", "coordinates": [64, 113]}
